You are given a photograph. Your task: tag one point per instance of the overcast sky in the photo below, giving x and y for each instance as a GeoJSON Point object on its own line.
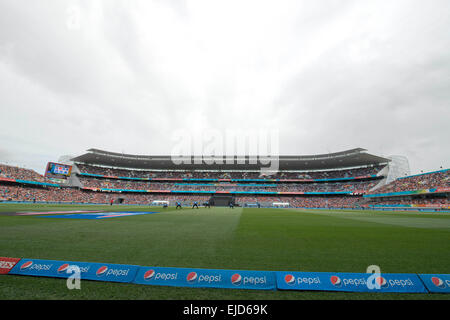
{"type": "Point", "coordinates": [123, 75]}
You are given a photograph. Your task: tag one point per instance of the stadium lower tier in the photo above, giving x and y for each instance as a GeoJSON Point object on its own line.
{"type": "Point", "coordinates": [17, 173]}
{"type": "Point", "coordinates": [438, 179]}
{"type": "Point", "coordinates": [12, 192]}
{"type": "Point", "coordinates": [355, 186]}
{"type": "Point", "coordinates": [92, 169]}
{"type": "Point", "coordinates": [75, 195]}
{"type": "Point", "coordinates": [421, 201]}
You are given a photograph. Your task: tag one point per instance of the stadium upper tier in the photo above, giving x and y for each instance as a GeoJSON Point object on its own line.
{"type": "Point", "coordinates": [359, 173]}
{"type": "Point", "coordinates": [124, 185]}
{"type": "Point", "coordinates": [11, 173]}
{"type": "Point", "coordinates": [346, 159]}
{"type": "Point", "coordinates": [431, 182]}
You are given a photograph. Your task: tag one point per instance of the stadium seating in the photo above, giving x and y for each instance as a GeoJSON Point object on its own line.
{"type": "Point", "coordinates": [25, 190]}
{"type": "Point", "coordinates": [292, 187]}
{"type": "Point", "coordinates": [11, 172]}
{"type": "Point", "coordinates": [417, 182]}
{"type": "Point", "coordinates": [436, 201]}
{"type": "Point", "coordinates": [227, 175]}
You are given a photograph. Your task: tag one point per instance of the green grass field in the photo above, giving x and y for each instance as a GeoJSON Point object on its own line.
{"type": "Point", "coordinates": [223, 238]}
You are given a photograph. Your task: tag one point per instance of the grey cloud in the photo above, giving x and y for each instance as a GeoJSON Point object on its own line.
{"type": "Point", "coordinates": [329, 75]}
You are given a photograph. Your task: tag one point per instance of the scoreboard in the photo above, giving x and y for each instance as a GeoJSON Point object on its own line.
{"type": "Point", "coordinates": [58, 169]}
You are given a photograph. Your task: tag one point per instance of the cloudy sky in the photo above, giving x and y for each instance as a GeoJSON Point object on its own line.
{"type": "Point", "coordinates": [124, 75]}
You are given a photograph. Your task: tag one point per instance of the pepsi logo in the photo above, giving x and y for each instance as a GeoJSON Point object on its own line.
{"type": "Point", "coordinates": [191, 277]}
{"type": "Point", "coordinates": [236, 279]}
{"type": "Point", "coordinates": [438, 282]}
{"type": "Point", "coordinates": [336, 281]}
{"type": "Point", "coordinates": [63, 268]}
{"type": "Point", "coordinates": [381, 282]}
{"type": "Point", "coordinates": [149, 274]}
{"type": "Point", "coordinates": [26, 265]}
{"type": "Point", "coordinates": [289, 279]}
{"type": "Point", "coordinates": [102, 270]}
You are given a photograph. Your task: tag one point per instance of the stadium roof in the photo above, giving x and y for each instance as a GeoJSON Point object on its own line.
{"type": "Point", "coordinates": [346, 159]}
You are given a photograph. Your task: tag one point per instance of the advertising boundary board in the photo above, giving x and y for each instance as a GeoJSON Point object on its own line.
{"type": "Point", "coordinates": [232, 279]}
{"type": "Point", "coordinates": [350, 282]}
{"type": "Point", "coordinates": [436, 283]}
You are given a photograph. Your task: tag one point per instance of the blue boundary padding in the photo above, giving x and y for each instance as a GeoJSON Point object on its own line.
{"type": "Point", "coordinates": [436, 283]}
{"type": "Point", "coordinates": [235, 279]}
{"type": "Point", "coordinates": [206, 278]}
{"type": "Point", "coordinates": [350, 282]}
{"type": "Point", "coordinates": [88, 270]}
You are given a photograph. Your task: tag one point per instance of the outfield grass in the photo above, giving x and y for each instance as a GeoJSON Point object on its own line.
{"type": "Point", "coordinates": [223, 238]}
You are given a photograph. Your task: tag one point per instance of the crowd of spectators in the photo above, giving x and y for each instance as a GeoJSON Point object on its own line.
{"type": "Point", "coordinates": [13, 192]}
{"type": "Point", "coordinates": [418, 182]}
{"type": "Point", "coordinates": [49, 194]}
{"type": "Point", "coordinates": [69, 195]}
{"type": "Point", "coordinates": [243, 199]}
{"type": "Point", "coordinates": [16, 192]}
{"type": "Point", "coordinates": [11, 172]}
{"type": "Point", "coordinates": [53, 194]}
{"type": "Point", "coordinates": [120, 184]}
{"type": "Point", "coordinates": [227, 175]}
{"type": "Point", "coordinates": [304, 202]}
{"type": "Point", "coordinates": [432, 201]}
{"type": "Point", "coordinates": [354, 186]}
{"type": "Point", "coordinates": [325, 202]}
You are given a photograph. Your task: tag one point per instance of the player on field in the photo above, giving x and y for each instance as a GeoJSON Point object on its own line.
{"type": "Point", "coordinates": [178, 205]}
{"type": "Point", "coordinates": [231, 205]}
{"type": "Point", "coordinates": [195, 205]}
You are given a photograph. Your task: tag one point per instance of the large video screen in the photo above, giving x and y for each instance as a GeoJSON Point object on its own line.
{"type": "Point", "coordinates": [58, 170]}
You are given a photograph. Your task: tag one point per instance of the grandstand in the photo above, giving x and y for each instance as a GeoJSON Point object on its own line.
{"type": "Point", "coordinates": [428, 190]}
{"type": "Point", "coordinates": [344, 175]}
{"type": "Point", "coordinates": [348, 179]}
